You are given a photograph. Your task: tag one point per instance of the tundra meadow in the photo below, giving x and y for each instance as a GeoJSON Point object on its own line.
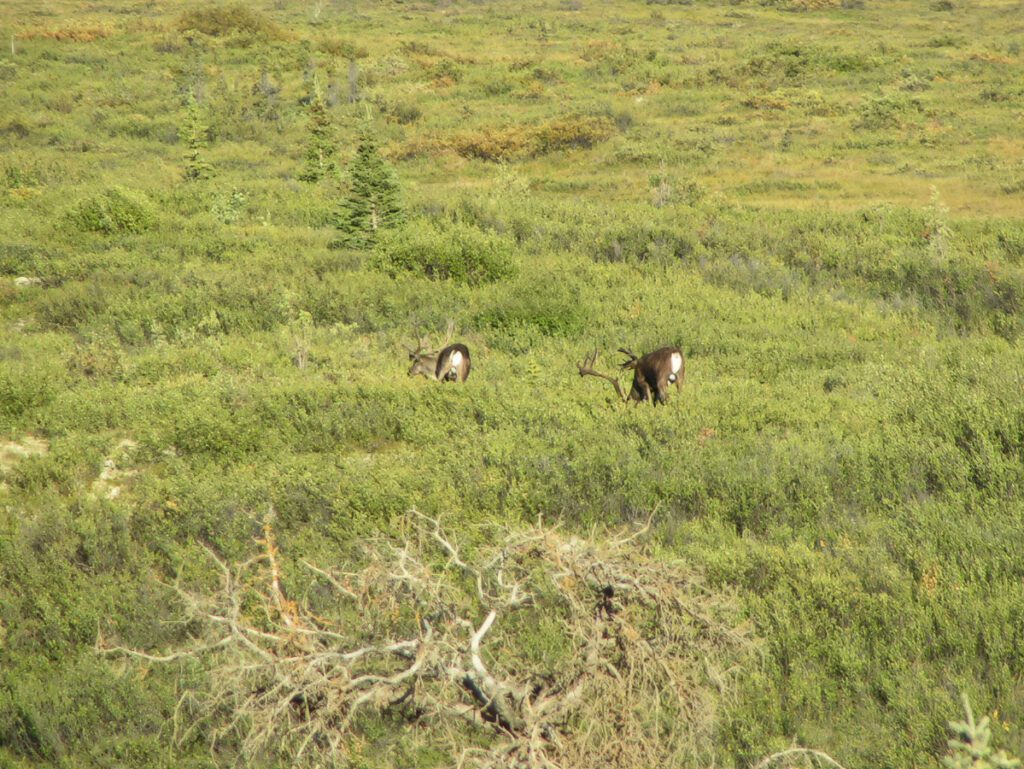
{"type": "Point", "coordinates": [235, 532]}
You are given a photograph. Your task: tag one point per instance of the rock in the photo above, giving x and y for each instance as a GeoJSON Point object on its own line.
{"type": "Point", "coordinates": [109, 482]}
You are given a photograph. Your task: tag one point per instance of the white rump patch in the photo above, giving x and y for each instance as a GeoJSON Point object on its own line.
{"type": "Point", "coordinates": [456, 359]}
{"type": "Point", "coordinates": [677, 362]}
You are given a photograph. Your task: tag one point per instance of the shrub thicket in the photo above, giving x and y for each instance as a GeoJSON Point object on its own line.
{"type": "Point", "coordinates": [453, 251]}
{"type": "Point", "coordinates": [115, 210]}
{"type": "Point", "coordinates": [236, 19]}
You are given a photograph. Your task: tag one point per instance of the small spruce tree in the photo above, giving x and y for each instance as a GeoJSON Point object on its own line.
{"type": "Point", "coordinates": [320, 149]}
{"type": "Point", "coordinates": [194, 132]}
{"type": "Point", "coordinates": [372, 203]}
{"type": "Point", "coordinates": [972, 748]}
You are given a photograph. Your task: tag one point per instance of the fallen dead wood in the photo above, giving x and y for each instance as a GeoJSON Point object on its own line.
{"type": "Point", "coordinates": [527, 648]}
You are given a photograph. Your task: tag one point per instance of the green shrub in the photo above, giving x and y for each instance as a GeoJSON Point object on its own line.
{"type": "Point", "coordinates": [448, 71]}
{"type": "Point", "coordinates": [232, 19]}
{"type": "Point", "coordinates": [642, 241]}
{"type": "Point", "coordinates": [887, 110]}
{"type": "Point", "coordinates": [227, 205]}
{"type": "Point", "coordinates": [24, 387]}
{"type": "Point", "coordinates": [113, 211]}
{"type": "Point", "coordinates": [497, 85]}
{"type": "Point", "coordinates": [495, 144]}
{"type": "Point", "coordinates": [17, 176]}
{"type": "Point", "coordinates": [23, 259]}
{"type": "Point", "coordinates": [537, 305]}
{"type": "Point", "coordinates": [343, 49]}
{"type": "Point", "coordinates": [573, 132]}
{"type": "Point", "coordinates": [453, 251]}
{"type": "Point", "coordinates": [401, 112]}
{"type": "Point", "coordinates": [1011, 241]}
{"type": "Point", "coordinates": [73, 304]}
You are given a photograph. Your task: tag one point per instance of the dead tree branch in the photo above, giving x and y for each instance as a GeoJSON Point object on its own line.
{"type": "Point", "coordinates": [811, 758]}
{"type": "Point", "coordinates": [561, 653]}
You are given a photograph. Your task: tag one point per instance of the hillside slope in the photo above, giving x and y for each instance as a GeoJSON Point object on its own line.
{"type": "Point", "coordinates": [822, 203]}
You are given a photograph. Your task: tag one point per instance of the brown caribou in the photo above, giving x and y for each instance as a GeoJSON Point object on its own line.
{"type": "Point", "coordinates": [652, 374]}
{"type": "Point", "coordinates": [451, 364]}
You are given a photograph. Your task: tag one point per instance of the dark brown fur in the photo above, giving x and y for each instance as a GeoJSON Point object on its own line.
{"type": "Point", "coordinates": [651, 374]}
{"type": "Point", "coordinates": [445, 372]}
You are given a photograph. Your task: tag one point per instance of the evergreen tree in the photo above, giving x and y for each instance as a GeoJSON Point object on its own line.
{"type": "Point", "coordinates": [373, 202]}
{"type": "Point", "coordinates": [194, 132]}
{"type": "Point", "coordinates": [320, 150]}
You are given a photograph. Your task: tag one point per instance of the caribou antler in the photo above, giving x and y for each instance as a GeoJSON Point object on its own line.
{"type": "Point", "coordinates": [631, 363]}
{"type": "Point", "coordinates": [587, 368]}
{"type": "Point", "coordinates": [448, 334]}
{"type": "Point", "coordinates": [415, 351]}
{"type": "Point", "coordinates": [423, 342]}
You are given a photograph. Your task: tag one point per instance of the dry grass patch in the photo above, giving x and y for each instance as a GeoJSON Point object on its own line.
{"type": "Point", "coordinates": [12, 452]}
{"type": "Point", "coordinates": [80, 34]}
{"type": "Point", "coordinates": [498, 144]}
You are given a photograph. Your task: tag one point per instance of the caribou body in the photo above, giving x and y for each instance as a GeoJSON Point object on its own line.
{"type": "Point", "coordinates": [653, 374]}
{"type": "Point", "coordinates": [451, 364]}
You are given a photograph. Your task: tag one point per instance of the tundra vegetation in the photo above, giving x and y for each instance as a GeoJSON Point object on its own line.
{"type": "Point", "coordinates": [234, 532]}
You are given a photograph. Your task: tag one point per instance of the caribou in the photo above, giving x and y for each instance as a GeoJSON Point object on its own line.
{"type": "Point", "coordinates": [451, 364]}
{"type": "Point", "coordinates": [653, 373]}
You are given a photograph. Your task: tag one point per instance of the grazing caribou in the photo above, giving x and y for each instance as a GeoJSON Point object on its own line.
{"type": "Point", "coordinates": [652, 374]}
{"type": "Point", "coordinates": [451, 364]}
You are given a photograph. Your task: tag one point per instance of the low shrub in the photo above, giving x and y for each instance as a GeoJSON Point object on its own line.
{"type": "Point", "coordinates": [73, 305]}
{"type": "Point", "coordinates": [498, 144]}
{"type": "Point", "coordinates": [19, 176]}
{"type": "Point", "coordinates": [886, 110]}
{"type": "Point", "coordinates": [115, 210]}
{"type": "Point", "coordinates": [639, 240]}
{"type": "Point", "coordinates": [574, 132]}
{"type": "Point", "coordinates": [537, 305]}
{"type": "Point", "coordinates": [454, 251]}
{"type": "Point", "coordinates": [24, 387]}
{"type": "Point", "coordinates": [447, 71]}
{"type": "Point", "coordinates": [232, 19]}
{"type": "Point", "coordinates": [401, 112]}
{"type": "Point", "coordinates": [1011, 242]}
{"type": "Point", "coordinates": [76, 34]}
{"type": "Point", "coordinates": [492, 143]}
{"type": "Point", "coordinates": [344, 49]}
{"type": "Point", "coordinates": [24, 259]}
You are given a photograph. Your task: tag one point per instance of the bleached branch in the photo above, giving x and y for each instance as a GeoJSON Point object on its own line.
{"type": "Point", "coordinates": [645, 644]}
